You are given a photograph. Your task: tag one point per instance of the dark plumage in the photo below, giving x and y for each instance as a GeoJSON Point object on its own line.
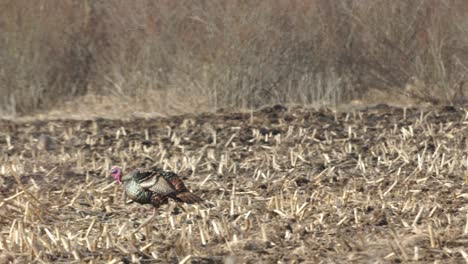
{"type": "Point", "coordinates": [154, 186]}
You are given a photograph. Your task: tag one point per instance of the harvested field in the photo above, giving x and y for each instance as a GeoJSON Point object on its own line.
{"type": "Point", "coordinates": [381, 184]}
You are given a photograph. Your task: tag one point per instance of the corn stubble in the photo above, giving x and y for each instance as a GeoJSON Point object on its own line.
{"type": "Point", "coordinates": [379, 184]}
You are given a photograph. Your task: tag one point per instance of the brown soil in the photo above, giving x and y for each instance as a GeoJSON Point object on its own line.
{"type": "Point", "coordinates": [380, 184]}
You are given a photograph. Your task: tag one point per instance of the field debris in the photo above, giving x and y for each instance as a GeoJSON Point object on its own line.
{"type": "Point", "coordinates": [381, 184]}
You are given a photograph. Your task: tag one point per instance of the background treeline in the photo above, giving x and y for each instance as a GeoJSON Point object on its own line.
{"type": "Point", "coordinates": [229, 53]}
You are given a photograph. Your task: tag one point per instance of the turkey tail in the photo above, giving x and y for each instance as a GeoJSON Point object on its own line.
{"type": "Point", "coordinates": [188, 197]}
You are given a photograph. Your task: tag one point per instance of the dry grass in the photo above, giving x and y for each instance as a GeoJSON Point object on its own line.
{"type": "Point", "coordinates": [240, 54]}
{"type": "Point", "coordinates": [377, 185]}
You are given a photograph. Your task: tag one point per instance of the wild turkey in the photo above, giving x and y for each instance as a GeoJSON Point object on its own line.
{"type": "Point", "coordinates": [154, 186]}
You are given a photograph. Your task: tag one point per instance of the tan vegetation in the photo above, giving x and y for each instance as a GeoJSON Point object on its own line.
{"type": "Point", "coordinates": [101, 83]}
{"type": "Point", "coordinates": [206, 55]}
{"type": "Point", "coordinates": [378, 185]}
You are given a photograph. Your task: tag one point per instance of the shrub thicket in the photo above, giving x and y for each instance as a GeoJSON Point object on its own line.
{"type": "Point", "coordinates": [244, 53]}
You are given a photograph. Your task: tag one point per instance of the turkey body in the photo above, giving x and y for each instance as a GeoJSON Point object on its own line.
{"type": "Point", "coordinates": [136, 193]}
{"type": "Point", "coordinates": [156, 186]}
